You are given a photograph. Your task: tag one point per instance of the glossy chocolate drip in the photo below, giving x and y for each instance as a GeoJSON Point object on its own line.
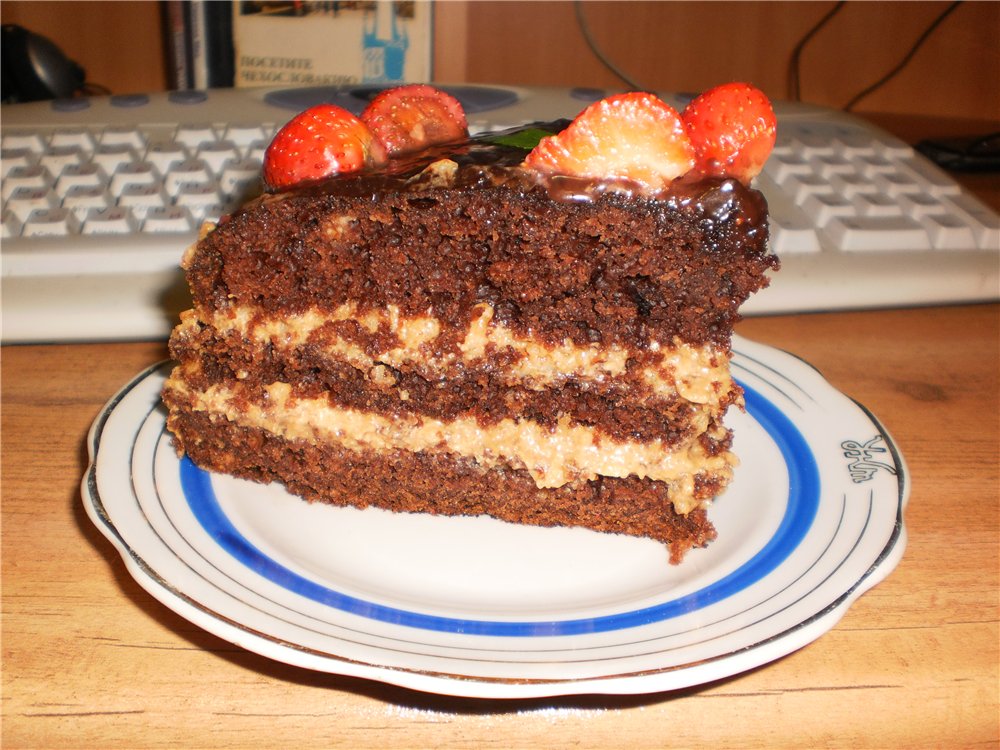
{"type": "Point", "coordinates": [482, 162]}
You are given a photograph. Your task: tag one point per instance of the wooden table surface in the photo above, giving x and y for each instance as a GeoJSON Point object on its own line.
{"type": "Point", "coordinates": [90, 660]}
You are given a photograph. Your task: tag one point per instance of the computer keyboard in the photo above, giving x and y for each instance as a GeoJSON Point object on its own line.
{"type": "Point", "coordinates": [101, 196]}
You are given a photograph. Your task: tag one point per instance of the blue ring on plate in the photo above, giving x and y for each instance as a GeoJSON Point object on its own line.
{"type": "Point", "coordinates": [800, 512]}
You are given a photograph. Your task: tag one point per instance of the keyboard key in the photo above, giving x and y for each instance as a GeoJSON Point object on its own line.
{"type": "Point", "coordinates": [243, 134]}
{"type": "Point", "coordinates": [874, 164]}
{"type": "Point", "coordinates": [936, 180]}
{"type": "Point", "coordinates": [853, 145]}
{"type": "Point", "coordinates": [24, 200]}
{"type": "Point", "coordinates": [165, 155]}
{"type": "Point", "coordinates": [985, 224]}
{"type": "Point", "coordinates": [897, 184]}
{"type": "Point", "coordinates": [876, 204]}
{"type": "Point", "coordinates": [851, 184]}
{"type": "Point", "coordinates": [215, 155]}
{"type": "Point", "coordinates": [81, 198]}
{"type": "Point", "coordinates": [810, 144]}
{"type": "Point", "coordinates": [139, 199]}
{"type": "Point", "coordinates": [194, 136]}
{"type": "Point", "coordinates": [168, 220]}
{"type": "Point", "coordinates": [801, 186]}
{"type": "Point", "coordinates": [783, 167]}
{"type": "Point", "coordinates": [57, 158]}
{"type": "Point", "coordinates": [889, 145]}
{"type": "Point", "coordinates": [198, 197]}
{"type": "Point", "coordinates": [917, 205]}
{"type": "Point", "coordinates": [32, 142]}
{"type": "Point", "coordinates": [240, 178]}
{"type": "Point", "coordinates": [188, 172]}
{"type": "Point", "coordinates": [51, 222]}
{"type": "Point", "coordinates": [111, 156]}
{"type": "Point", "coordinates": [16, 157]}
{"type": "Point", "coordinates": [124, 136]}
{"type": "Point", "coordinates": [136, 173]}
{"type": "Point", "coordinates": [794, 239]}
{"type": "Point", "coordinates": [31, 176]}
{"type": "Point", "coordinates": [208, 212]}
{"type": "Point", "coordinates": [832, 165]}
{"type": "Point", "coordinates": [11, 225]}
{"type": "Point", "coordinates": [87, 175]}
{"type": "Point", "coordinates": [874, 233]}
{"type": "Point", "coordinates": [792, 231]}
{"type": "Point", "coordinates": [948, 231]}
{"type": "Point", "coordinates": [822, 207]}
{"type": "Point", "coordinates": [808, 139]}
{"type": "Point", "coordinates": [783, 142]}
{"type": "Point", "coordinates": [80, 138]}
{"type": "Point", "coordinates": [114, 220]}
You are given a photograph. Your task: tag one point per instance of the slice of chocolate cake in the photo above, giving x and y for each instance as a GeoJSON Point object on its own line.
{"type": "Point", "coordinates": [462, 330]}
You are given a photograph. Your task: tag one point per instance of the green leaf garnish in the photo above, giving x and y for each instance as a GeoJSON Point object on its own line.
{"type": "Point", "coordinates": [526, 139]}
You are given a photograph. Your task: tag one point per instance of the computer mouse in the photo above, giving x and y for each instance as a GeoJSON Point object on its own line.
{"type": "Point", "coordinates": [34, 68]}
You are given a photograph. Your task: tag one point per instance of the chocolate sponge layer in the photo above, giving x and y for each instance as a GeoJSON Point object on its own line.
{"type": "Point", "coordinates": [441, 484]}
{"type": "Point", "coordinates": [618, 270]}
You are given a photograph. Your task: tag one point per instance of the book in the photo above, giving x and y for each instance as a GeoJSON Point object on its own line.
{"type": "Point", "coordinates": [217, 24]}
{"type": "Point", "coordinates": [199, 48]}
{"type": "Point", "coordinates": [176, 43]}
{"type": "Point", "coordinates": [319, 43]}
{"type": "Point", "coordinates": [199, 42]}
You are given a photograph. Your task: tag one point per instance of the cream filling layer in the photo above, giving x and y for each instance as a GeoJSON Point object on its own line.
{"type": "Point", "coordinates": [698, 374]}
{"type": "Point", "coordinates": [552, 457]}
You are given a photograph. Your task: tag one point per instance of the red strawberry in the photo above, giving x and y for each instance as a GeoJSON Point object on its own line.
{"type": "Point", "coordinates": [409, 118]}
{"type": "Point", "coordinates": [732, 128]}
{"type": "Point", "coordinates": [322, 141]}
{"type": "Point", "coordinates": [633, 136]}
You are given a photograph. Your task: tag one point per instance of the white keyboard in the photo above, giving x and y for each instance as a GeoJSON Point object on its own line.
{"type": "Point", "coordinates": [101, 196]}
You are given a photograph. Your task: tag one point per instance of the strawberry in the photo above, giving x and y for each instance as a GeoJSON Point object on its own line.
{"type": "Point", "coordinates": [633, 136]}
{"type": "Point", "coordinates": [732, 128]}
{"type": "Point", "coordinates": [322, 141]}
{"type": "Point", "coordinates": [409, 118]}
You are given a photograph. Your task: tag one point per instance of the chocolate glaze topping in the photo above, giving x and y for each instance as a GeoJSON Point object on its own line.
{"type": "Point", "coordinates": [487, 161]}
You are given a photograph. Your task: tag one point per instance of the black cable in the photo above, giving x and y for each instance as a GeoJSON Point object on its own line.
{"type": "Point", "coordinates": [906, 59]}
{"type": "Point", "coordinates": [976, 154]}
{"type": "Point", "coordinates": [794, 87]}
{"type": "Point", "coordinates": [585, 29]}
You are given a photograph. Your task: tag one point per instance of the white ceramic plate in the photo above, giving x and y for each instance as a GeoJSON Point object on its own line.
{"type": "Point", "coordinates": [476, 607]}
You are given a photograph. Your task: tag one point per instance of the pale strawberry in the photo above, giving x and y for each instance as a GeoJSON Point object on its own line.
{"type": "Point", "coordinates": [732, 128]}
{"type": "Point", "coordinates": [634, 136]}
{"type": "Point", "coordinates": [412, 117]}
{"type": "Point", "coordinates": [322, 141]}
